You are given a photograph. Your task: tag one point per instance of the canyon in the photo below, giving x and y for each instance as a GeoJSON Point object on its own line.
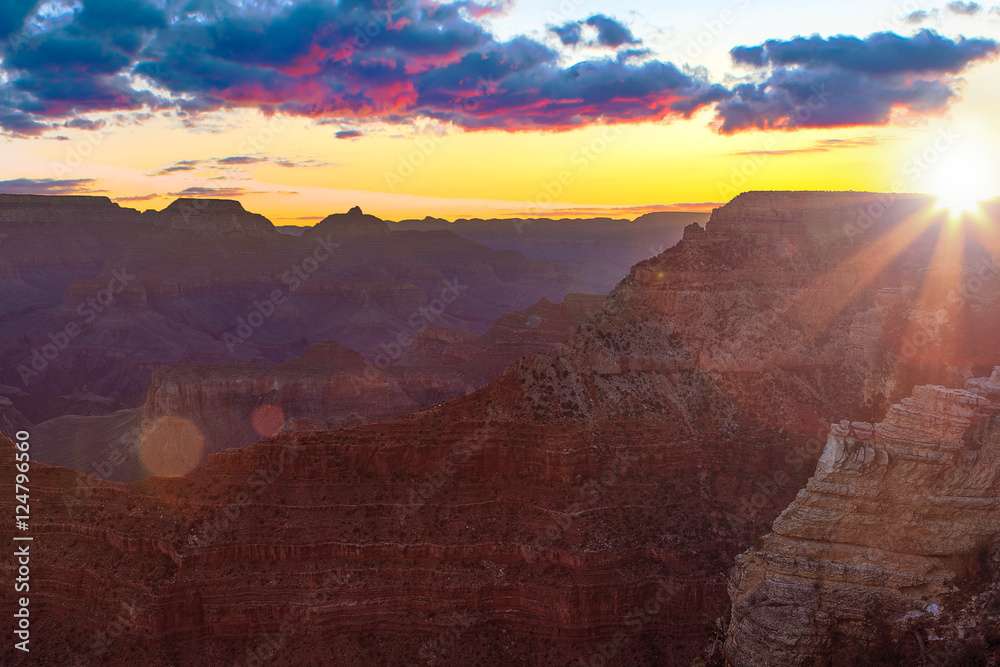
{"type": "Point", "coordinates": [329, 386]}
{"type": "Point", "coordinates": [96, 299]}
{"type": "Point", "coordinates": [613, 244]}
{"type": "Point", "coordinates": [585, 506]}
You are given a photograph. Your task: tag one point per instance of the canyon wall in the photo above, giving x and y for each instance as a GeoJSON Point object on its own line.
{"type": "Point", "coordinates": [881, 537]}
{"type": "Point", "coordinates": [584, 506]}
{"type": "Point", "coordinates": [329, 386]}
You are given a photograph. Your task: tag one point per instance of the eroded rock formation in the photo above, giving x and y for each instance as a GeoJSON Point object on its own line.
{"type": "Point", "coordinates": [882, 532]}
{"type": "Point", "coordinates": [329, 386]}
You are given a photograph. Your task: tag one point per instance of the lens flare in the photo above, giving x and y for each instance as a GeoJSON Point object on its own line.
{"type": "Point", "coordinates": [171, 446]}
{"type": "Point", "coordinates": [268, 420]}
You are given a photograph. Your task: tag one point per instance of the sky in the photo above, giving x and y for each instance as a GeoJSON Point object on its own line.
{"type": "Point", "coordinates": [413, 108]}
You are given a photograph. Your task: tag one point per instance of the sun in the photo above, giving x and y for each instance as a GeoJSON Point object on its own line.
{"type": "Point", "coordinates": [964, 176]}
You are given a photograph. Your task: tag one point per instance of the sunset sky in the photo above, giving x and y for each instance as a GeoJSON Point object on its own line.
{"type": "Point", "coordinates": [412, 107]}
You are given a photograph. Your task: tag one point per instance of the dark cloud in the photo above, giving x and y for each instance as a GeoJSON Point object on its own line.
{"type": "Point", "coordinates": [84, 124]}
{"type": "Point", "coordinates": [883, 53]}
{"type": "Point", "coordinates": [211, 192]}
{"type": "Point", "coordinates": [75, 67]}
{"type": "Point", "coordinates": [13, 13]}
{"type": "Point", "coordinates": [114, 14]}
{"type": "Point", "coordinates": [569, 34]}
{"type": "Point", "coordinates": [964, 8]}
{"type": "Point", "coordinates": [20, 123]}
{"type": "Point", "coordinates": [138, 198]}
{"type": "Point", "coordinates": [535, 93]}
{"type": "Point", "coordinates": [308, 163]}
{"type": "Point", "coordinates": [363, 59]}
{"type": "Point", "coordinates": [817, 82]}
{"type": "Point", "coordinates": [235, 162]}
{"type": "Point", "coordinates": [822, 146]}
{"type": "Point", "coordinates": [918, 16]}
{"type": "Point", "coordinates": [349, 134]}
{"type": "Point", "coordinates": [48, 186]}
{"type": "Point", "coordinates": [632, 54]}
{"type": "Point", "coordinates": [183, 165]}
{"type": "Point", "coordinates": [610, 32]}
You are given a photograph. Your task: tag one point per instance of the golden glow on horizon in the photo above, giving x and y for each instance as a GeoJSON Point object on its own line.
{"type": "Point", "coordinates": [618, 171]}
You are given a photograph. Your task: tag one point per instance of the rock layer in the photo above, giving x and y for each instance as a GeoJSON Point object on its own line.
{"type": "Point", "coordinates": [880, 530]}
{"type": "Point", "coordinates": [329, 386]}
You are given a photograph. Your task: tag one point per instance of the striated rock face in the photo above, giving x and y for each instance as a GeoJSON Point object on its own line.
{"type": "Point", "coordinates": [880, 531]}
{"type": "Point", "coordinates": [237, 405]}
{"type": "Point", "coordinates": [476, 360]}
{"type": "Point", "coordinates": [585, 505]}
{"type": "Point", "coordinates": [328, 387]}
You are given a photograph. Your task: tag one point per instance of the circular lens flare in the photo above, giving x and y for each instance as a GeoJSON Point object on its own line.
{"type": "Point", "coordinates": [268, 420]}
{"type": "Point", "coordinates": [171, 446]}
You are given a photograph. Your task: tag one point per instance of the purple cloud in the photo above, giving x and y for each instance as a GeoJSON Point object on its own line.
{"type": "Point", "coordinates": [838, 81]}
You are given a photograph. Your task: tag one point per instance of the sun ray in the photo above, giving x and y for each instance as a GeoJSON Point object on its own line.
{"type": "Point", "coordinates": [845, 282]}
{"type": "Point", "coordinates": [931, 328]}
